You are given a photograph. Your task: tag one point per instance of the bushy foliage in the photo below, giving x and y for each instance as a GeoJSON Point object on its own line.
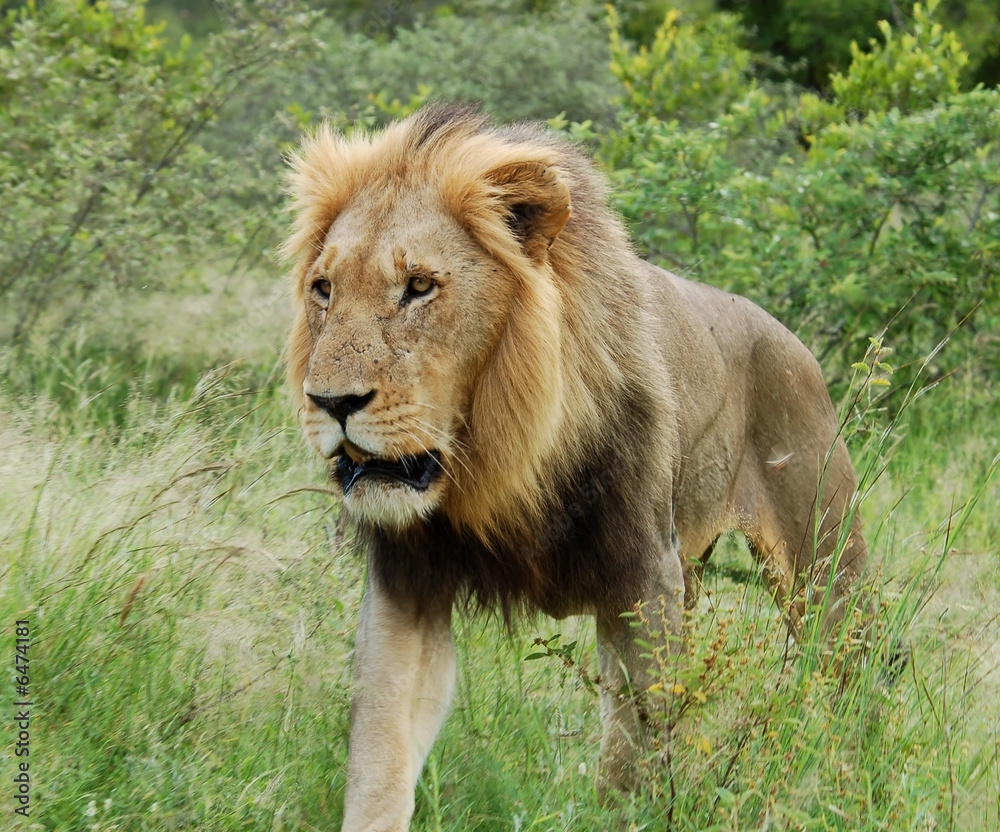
{"type": "Point", "coordinates": [689, 72]}
{"type": "Point", "coordinates": [910, 71]}
{"type": "Point", "coordinates": [640, 19]}
{"type": "Point", "coordinates": [814, 36]}
{"type": "Point", "coordinates": [977, 24]}
{"type": "Point", "coordinates": [840, 216]}
{"type": "Point", "coordinates": [106, 183]}
{"type": "Point", "coordinates": [516, 64]}
{"type": "Point", "coordinates": [890, 219]}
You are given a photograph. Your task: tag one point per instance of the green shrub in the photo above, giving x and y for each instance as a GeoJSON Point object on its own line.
{"type": "Point", "coordinates": [689, 72]}
{"type": "Point", "coordinates": [814, 36]}
{"type": "Point", "coordinates": [517, 65]}
{"type": "Point", "coordinates": [890, 220]}
{"type": "Point", "coordinates": [910, 72]}
{"type": "Point", "coordinates": [106, 185]}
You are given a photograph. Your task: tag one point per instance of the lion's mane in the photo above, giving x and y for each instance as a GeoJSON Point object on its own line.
{"type": "Point", "coordinates": [570, 427]}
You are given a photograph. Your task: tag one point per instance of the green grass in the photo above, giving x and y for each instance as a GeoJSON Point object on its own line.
{"type": "Point", "coordinates": [192, 596]}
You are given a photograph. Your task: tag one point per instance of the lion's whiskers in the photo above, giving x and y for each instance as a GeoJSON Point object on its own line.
{"type": "Point", "coordinates": [430, 429]}
{"type": "Point", "coordinates": [458, 450]}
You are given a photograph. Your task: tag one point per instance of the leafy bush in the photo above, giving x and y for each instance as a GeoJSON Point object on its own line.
{"type": "Point", "coordinates": [890, 219]}
{"type": "Point", "coordinates": [909, 74]}
{"type": "Point", "coordinates": [106, 184]}
{"type": "Point", "coordinates": [689, 72]}
{"type": "Point", "coordinates": [814, 36]}
{"type": "Point", "coordinates": [517, 65]}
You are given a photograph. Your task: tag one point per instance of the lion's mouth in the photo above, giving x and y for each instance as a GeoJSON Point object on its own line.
{"type": "Point", "coordinates": [355, 464]}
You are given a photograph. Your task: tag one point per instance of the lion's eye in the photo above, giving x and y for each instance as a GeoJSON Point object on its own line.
{"type": "Point", "coordinates": [417, 287]}
{"type": "Point", "coordinates": [321, 289]}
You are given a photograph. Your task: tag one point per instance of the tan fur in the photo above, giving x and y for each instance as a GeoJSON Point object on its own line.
{"type": "Point", "coordinates": [600, 422]}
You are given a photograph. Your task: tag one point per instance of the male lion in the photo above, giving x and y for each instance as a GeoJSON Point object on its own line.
{"type": "Point", "coordinates": [519, 412]}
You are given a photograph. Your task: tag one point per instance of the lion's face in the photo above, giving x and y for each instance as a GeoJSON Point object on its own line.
{"type": "Point", "coordinates": [402, 307]}
{"type": "Point", "coordinates": [426, 356]}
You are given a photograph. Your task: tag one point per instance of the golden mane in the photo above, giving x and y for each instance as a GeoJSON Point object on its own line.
{"type": "Point", "coordinates": [558, 370]}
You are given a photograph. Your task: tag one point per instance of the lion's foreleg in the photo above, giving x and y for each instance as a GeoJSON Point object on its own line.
{"type": "Point", "coordinates": [404, 676]}
{"type": "Point", "coordinates": [625, 676]}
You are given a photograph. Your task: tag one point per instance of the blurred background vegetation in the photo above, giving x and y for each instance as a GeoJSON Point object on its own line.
{"type": "Point", "coordinates": [838, 161]}
{"type": "Point", "coordinates": [839, 170]}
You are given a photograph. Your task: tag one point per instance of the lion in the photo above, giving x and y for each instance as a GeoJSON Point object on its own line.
{"type": "Point", "coordinates": [521, 414]}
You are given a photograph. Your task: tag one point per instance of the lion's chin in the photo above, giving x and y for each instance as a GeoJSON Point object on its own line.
{"type": "Point", "coordinates": [388, 492]}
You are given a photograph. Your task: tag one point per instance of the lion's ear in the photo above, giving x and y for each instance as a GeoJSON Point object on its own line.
{"type": "Point", "coordinates": [537, 204]}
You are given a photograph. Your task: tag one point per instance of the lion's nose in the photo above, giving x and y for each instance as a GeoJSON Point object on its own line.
{"type": "Point", "coordinates": [340, 407]}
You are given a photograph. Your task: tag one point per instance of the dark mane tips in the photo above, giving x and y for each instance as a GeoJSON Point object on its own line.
{"type": "Point", "coordinates": [437, 121]}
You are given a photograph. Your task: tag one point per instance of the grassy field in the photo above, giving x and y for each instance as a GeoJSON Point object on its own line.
{"type": "Point", "coordinates": [191, 592]}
